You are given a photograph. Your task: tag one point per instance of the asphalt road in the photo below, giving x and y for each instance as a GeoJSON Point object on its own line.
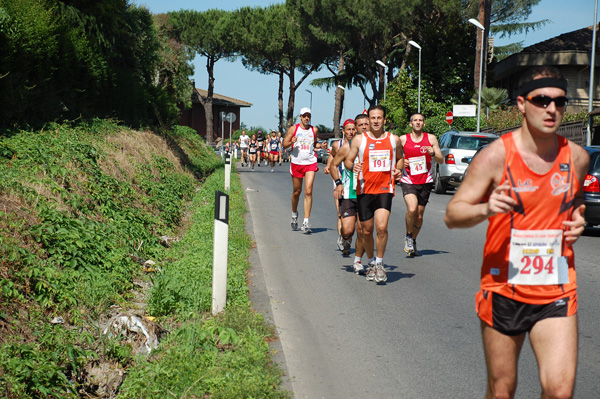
{"type": "Point", "coordinates": [416, 336]}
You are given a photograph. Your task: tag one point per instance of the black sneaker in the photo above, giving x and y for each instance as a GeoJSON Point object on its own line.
{"type": "Point", "coordinates": [294, 223]}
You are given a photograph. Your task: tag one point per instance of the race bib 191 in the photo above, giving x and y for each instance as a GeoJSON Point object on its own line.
{"type": "Point", "coordinates": [379, 161]}
{"type": "Point", "coordinates": [535, 258]}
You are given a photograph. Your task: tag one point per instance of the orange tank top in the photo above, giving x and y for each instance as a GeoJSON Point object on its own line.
{"type": "Point", "coordinates": [525, 257]}
{"type": "Point", "coordinates": [378, 157]}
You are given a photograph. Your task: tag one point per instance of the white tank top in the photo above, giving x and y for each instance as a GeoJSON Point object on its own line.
{"type": "Point", "coordinates": [303, 150]}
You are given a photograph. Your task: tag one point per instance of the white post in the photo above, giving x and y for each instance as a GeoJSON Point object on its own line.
{"type": "Point", "coordinates": [227, 171]}
{"type": "Point", "coordinates": [220, 244]}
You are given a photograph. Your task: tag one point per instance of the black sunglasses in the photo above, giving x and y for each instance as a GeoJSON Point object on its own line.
{"type": "Point", "coordinates": [543, 101]}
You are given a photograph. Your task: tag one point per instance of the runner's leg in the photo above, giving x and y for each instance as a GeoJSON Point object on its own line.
{"type": "Point", "coordinates": [412, 213]}
{"type": "Point", "coordinates": [309, 179]}
{"type": "Point", "coordinates": [297, 190]}
{"type": "Point", "coordinates": [554, 342]}
{"type": "Point", "coordinates": [382, 216]}
{"type": "Point", "coordinates": [368, 242]}
{"type": "Point", "coordinates": [501, 358]}
{"type": "Point", "coordinates": [359, 244]}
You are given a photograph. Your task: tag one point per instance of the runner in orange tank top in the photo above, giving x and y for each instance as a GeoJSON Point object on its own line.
{"type": "Point", "coordinates": [379, 165]}
{"type": "Point", "coordinates": [528, 184]}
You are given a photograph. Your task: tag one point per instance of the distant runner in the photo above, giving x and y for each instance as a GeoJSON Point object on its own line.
{"type": "Point", "coordinates": [302, 137]}
{"type": "Point", "coordinates": [274, 149]}
{"type": "Point", "coordinates": [244, 140]}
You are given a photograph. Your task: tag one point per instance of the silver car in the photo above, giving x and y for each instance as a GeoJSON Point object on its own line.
{"type": "Point", "coordinates": [457, 149]}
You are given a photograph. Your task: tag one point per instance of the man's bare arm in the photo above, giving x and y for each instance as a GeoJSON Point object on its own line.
{"type": "Point", "coordinates": [465, 209]}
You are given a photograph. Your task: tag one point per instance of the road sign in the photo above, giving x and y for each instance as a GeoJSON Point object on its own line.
{"type": "Point", "coordinates": [223, 115]}
{"type": "Point", "coordinates": [230, 117]}
{"type": "Point", "coordinates": [464, 110]}
{"type": "Point", "coordinates": [449, 117]}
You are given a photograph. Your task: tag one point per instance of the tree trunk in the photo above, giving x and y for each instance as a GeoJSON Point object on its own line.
{"type": "Point", "coordinates": [339, 101]}
{"type": "Point", "coordinates": [208, 108]}
{"type": "Point", "coordinates": [484, 20]}
{"type": "Point", "coordinates": [280, 120]}
{"type": "Point", "coordinates": [292, 88]}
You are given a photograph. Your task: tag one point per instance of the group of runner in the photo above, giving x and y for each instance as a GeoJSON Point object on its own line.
{"type": "Point", "coordinates": [528, 184]}
{"type": "Point", "coordinates": [365, 165]}
{"type": "Point", "coordinates": [256, 149]}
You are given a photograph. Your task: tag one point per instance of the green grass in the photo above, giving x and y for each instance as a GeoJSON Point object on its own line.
{"type": "Point", "coordinates": [79, 205]}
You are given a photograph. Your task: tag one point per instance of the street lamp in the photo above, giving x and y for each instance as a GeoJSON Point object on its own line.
{"type": "Point", "coordinates": [588, 134]}
{"type": "Point", "coordinates": [310, 98]}
{"type": "Point", "coordinates": [479, 26]}
{"type": "Point", "coordinates": [414, 44]}
{"type": "Point", "coordinates": [385, 67]}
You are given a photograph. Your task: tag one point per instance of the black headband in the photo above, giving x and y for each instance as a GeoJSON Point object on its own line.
{"type": "Point", "coordinates": [530, 86]}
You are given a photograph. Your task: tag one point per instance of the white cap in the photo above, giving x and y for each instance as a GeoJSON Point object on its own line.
{"type": "Point", "coordinates": [305, 110]}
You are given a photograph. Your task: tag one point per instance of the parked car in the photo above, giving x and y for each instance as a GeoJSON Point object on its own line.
{"type": "Point", "coordinates": [591, 187]}
{"type": "Point", "coordinates": [330, 142]}
{"type": "Point", "coordinates": [469, 159]}
{"type": "Point", "coordinates": [457, 149]}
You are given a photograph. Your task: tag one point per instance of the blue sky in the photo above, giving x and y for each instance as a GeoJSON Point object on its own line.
{"type": "Point", "coordinates": [232, 79]}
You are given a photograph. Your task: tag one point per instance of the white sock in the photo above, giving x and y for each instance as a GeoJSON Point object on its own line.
{"type": "Point", "coordinates": [294, 214]}
{"type": "Point", "coordinates": [378, 260]}
{"type": "Point", "coordinates": [305, 220]}
{"type": "Point", "coordinates": [357, 259]}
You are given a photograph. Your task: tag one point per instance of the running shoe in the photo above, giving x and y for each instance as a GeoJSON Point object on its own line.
{"type": "Point", "coordinates": [358, 267]}
{"type": "Point", "coordinates": [306, 228]}
{"type": "Point", "coordinates": [340, 243]}
{"type": "Point", "coordinates": [271, 170]}
{"type": "Point", "coordinates": [409, 245]}
{"type": "Point", "coordinates": [346, 247]}
{"type": "Point", "coordinates": [371, 271]}
{"type": "Point", "coordinates": [380, 275]}
{"type": "Point", "coordinates": [294, 221]}
{"type": "Point", "coordinates": [415, 252]}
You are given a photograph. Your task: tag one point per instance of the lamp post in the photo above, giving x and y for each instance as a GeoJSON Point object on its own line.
{"type": "Point", "coordinates": [385, 67]}
{"type": "Point", "coordinates": [479, 26]}
{"type": "Point", "coordinates": [415, 45]}
{"type": "Point", "coordinates": [310, 98]}
{"type": "Point", "coordinates": [588, 135]}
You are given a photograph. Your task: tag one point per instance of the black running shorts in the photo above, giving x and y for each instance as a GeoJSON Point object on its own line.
{"type": "Point", "coordinates": [369, 203]}
{"type": "Point", "coordinates": [422, 191]}
{"type": "Point", "coordinates": [512, 317]}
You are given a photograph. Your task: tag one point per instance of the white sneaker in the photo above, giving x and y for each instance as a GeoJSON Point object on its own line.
{"type": "Point", "coordinates": [271, 170]}
{"type": "Point", "coordinates": [340, 243]}
{"type": "Point", "coordinates": [408, 245]}
{"type": "Point", "coordinates": [306, 228]}
{"type": "Point", "coordinates": [358, 268]}
{"type": "Point", "coordinates": [371, 271]}
{"type": "Point", "coordinates": [380, 275]}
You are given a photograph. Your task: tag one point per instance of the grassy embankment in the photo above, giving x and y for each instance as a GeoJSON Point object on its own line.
{"type": "Point", "coordinates": [81, 210]}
